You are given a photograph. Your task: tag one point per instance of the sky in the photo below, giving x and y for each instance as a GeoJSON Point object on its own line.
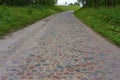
{"type": "Point", "coordinates": [62, 2]}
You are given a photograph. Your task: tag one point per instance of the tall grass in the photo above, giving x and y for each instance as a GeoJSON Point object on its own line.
{"type": "Point", "coordinates": [14, 18]}
{"type": "Point", "coordinates": [105, 21]}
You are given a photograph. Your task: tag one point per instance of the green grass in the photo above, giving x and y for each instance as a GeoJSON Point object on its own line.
{"type": "Point", "coordinates": [14, 18]}
{"type": "Point", "coordinates": [69, 8]}
{"type": "Point", "coordinates": [105, 21]}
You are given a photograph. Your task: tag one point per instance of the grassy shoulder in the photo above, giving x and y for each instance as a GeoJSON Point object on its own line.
{"type": "Point", "coordinates": [68, 8]}
{"type": "Point", "coordinates": [104, 21]}
{"type": "Point", "coordinates": [14, 18]}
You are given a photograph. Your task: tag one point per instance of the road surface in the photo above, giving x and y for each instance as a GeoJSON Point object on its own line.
{"type": "Point", "coordinates": [59, 47]}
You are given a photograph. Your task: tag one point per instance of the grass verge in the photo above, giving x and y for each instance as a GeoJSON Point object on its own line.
{"type": "Point", "coordinates": [14, 18]}
{"type": "Point", "coordinates": [105, 21]}
{"type": "Point", "coordinates": [69, 8]}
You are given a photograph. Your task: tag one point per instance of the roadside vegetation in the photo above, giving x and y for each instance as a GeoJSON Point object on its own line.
{"type": "Point", "coordinates": [105, 21]}
{"type": "Point", "coordinates": [69, 8]}
{"type": "Point", "coordinates": [14, 18]}
{"type": "Point", "coordinates": [103, 16]}
{"type": "Point", "coordinates": [17, 14]}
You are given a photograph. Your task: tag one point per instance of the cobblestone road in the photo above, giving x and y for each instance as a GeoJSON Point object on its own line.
{"type": "Point", "coordinates": [59, 47]}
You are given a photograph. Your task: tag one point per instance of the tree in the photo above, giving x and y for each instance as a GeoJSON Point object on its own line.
{"type": "Point", "coordinates": [76, 3]}
{"type": "Point", "coordinates": [47, 2]}
{"type": "Point", "coordinates": [81, 2]}
{"type": "Point", "coordinates": [27, 2]}
{"type": "Point", "coordinates": [15, 2]}
{"type": "Point", "coordinates": [98, 3]}
{"type": "Point", "coordinates": [71, 4]}
{"type": "Point", "coordinates": [65, 3]}
{"type": "Point", "coordinates": [85, 3]}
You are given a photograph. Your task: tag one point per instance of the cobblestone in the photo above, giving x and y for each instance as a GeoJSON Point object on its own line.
{"type": "Point", "coordinates": [66, 51]}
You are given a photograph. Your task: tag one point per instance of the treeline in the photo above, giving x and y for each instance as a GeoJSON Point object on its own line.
{"type": "Point", "coordinates": [27, 2]}
{"type": "Point", "coordinates": [98, 3]}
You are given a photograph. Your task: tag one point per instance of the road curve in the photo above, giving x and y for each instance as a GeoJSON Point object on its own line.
{"type": "Point", "coordinates": [59, 47]}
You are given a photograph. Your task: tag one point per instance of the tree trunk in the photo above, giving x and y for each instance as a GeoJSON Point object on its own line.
{"type": "Point", "coordinates": [2, 1]}
{"type": "Point", "coordinates": [108, 3]}
{"type": "Point", "coordinates": [114, 3]}
{"type": "Point", "coordinates": [96, 4]}
{"type": "Point", "coordinates": [105, 3]}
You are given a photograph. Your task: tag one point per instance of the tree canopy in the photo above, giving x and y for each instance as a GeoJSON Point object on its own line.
{"type": "Point", "coordinates": [27, 2]}
{"type": "Point", "coordinates": [98, 3]}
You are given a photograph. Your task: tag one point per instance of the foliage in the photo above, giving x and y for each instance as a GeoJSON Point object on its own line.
{"type": "Point", "coordinates": [14, 18]}
{"type": "Point", "coordinates": [104, 21]}
{"type": "Point", "coordinates": [27, 2]}
{"type": "Point", "coordinates": [15, 2]}
{"type": "Point", "coordinates": [69, 8]}
{"type": "Point", "coordinates": [75, 4]}
{"type": "Point", "coordinates": [98, 3]}
{"type": "Point", "coordinates": [46, 2]}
